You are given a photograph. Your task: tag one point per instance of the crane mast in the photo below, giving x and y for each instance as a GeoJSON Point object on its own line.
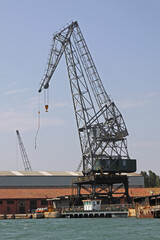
{"type": "Point", "coordinates": [26, 163]}
{"type": "Point", "coordinates": [101, 127]}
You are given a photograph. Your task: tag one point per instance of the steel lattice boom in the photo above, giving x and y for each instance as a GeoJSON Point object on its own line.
{"type": "Point", "coordinates": [101, 128]}
{"type": "Point", "coordinates": [26, 163]}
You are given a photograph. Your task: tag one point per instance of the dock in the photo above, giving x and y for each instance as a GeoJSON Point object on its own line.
{"type": "Point", "coordinates": [54, 214]}
{"type": "Point", "coordinates": [94, 214]}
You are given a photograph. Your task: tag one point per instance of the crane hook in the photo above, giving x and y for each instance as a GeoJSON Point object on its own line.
{"type": "Point", "coordinates": [46, 99]}
{"type": "Point", "coordinates": [46, 107]}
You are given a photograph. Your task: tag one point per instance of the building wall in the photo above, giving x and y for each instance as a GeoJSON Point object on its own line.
{"type": "Point", "coordinates": [7, 208]}
{"type": "Point", "coordinates": [136, 181]}
{"type": "Point", "coordinates": [17, 206]}
{"type": "Point", "coordinates": [32, 181]}
{"type": "Point", "coordinates": [50, 181]}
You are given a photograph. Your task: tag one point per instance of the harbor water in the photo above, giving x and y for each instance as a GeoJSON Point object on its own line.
{"type": "Point", "coordinates": [80, 229]}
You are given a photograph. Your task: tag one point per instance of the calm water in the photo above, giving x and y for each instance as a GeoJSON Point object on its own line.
{"type": "Point", "coordinates": [80, 229]}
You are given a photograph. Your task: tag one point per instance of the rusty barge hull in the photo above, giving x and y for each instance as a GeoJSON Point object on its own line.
{"type": "Point", "coordinates": [148, 206]}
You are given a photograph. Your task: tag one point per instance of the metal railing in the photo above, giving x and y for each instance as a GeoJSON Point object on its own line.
{"type": "Point", "coordinates": [106, 207]}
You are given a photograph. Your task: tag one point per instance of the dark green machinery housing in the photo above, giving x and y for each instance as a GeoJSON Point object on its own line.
{"type": "Point", "coordinates": [115, 165]}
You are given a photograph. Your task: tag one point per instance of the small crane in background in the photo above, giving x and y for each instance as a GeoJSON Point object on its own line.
{"type": "Point", "coordinates": [26, 163]}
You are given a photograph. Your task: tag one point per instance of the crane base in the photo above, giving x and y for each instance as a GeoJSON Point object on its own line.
{"type": "Point", "coordinates": [109, 187]}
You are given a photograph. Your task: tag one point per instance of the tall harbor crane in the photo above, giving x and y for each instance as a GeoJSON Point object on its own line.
{"type": "Point", "coordinates": [101, 127]}
{"type": "Point", "coordinates": [26, 163]}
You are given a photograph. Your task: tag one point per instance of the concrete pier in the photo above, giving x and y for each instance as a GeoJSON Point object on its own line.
{"type": "Point", "coordinates": [55, 214]}
{"type": "Point", "coordinates": [94, 214]}
{"type": "Point", "coordinates": [68, 214]}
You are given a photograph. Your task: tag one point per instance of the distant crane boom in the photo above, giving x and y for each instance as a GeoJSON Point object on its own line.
{"type": "Point", "coordinates": [26, 163]}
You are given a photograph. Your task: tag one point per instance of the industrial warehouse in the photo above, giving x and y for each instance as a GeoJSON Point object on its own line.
{"type": "Point", "coordinates": [23, 192]}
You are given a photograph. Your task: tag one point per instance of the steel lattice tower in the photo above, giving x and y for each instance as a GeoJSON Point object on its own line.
{"type": "Point", "coordinates": [101, 128]}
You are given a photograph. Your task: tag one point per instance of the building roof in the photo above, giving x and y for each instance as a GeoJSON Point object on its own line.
{"type": "Point", "coordinates": [33, 179]}
{"type": "Point", "coordinates": [152, 197]}
{"type": "Point", "coordinates": [141, 192]}
{"type": "Point", "coordinates": [49, 173]}
{"type": "Point", "coordinates": [33, 193]}
{"type": "Point", "coordinates": [48, 193]}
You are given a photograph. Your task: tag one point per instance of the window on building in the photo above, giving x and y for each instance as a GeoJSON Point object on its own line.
{"type": "Point", "coordinates": [44, 202]}
{"type": "Point", "coordinates": [8, 209]}
{"type": "Point", "coordinates": [108, 163]}
{"type": "Point", "coordinates": [124, 163]}
{"type": "Point", "coordinates": [22, 210]}
{"type": "Point", "coordinates": [118, 201]}
{"type": "Point", "coordinates": [21, 203]}
{"type": "Point", "coordinates": [33, 205]}
{"type": "Point", "coordinates": [1, 202]}
{"type": "Point", "coordinates": [10, 202]}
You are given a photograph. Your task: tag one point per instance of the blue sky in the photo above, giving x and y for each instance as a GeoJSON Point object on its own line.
{"type": "Point", "coordinates": [123, 37]}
